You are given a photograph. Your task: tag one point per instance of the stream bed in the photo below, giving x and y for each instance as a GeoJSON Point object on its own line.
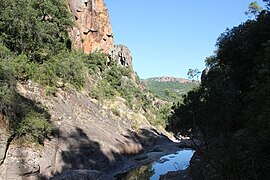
{"type": "Point", "coordinates": [152, 171]}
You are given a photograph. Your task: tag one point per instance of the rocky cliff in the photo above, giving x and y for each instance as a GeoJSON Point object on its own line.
{"type": "Point", "coordinates": [92, 30]}
{"type": "Point", "coordinates": [122, 55]}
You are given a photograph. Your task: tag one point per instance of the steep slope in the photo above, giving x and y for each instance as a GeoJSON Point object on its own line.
{"type": "Point", "coordinates": [87, 139]}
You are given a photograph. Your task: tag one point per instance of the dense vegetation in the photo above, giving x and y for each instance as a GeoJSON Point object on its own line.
{"type": "Point", "coordinates": [35, 28]}
{"type": "Point", "coordinates": [169, 91]}
{"type": "Point", "coordinates": [230, 110]}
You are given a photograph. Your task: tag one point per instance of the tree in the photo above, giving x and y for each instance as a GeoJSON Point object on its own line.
{"type": "Point", "coordinates": [253, 9]}
{"type": "Point", "coordinates": [232, 103]}
{"type": "Point", "coordinates": [193, 73]}
{"type": "Point", "coordinates": [37, 28]}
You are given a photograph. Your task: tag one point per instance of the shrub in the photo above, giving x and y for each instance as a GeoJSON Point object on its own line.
{"type": "Point", "coordinates": [51, 90]}
{"type": "Point", "coordinates": [116, 112]}
{"type": "Point", "coordinates": [45, 74]}
{"type": "Point", "coordinates": [103, 91]}
{"type": "Point", "coordinates": [23, 67]}
{"type": "Point", "coordinates": [67, 67]}
{"type": "Point", "coordinates": [34, 125]}
{"type": "Point", "coordinates": [4, 52]}
{"type": "Point", "coordinates": [70, 68]}
{"type": "Point", "coordinates": [23, 117]}
{"type": "Point", "coordinates": [96, 62]}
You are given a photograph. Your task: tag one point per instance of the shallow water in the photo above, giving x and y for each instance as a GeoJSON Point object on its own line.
{"type": "Point", "coordinates": [172, 162]}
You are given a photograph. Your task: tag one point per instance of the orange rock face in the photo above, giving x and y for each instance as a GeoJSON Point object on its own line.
{"type": "Point", "coordinates": [92, 31]}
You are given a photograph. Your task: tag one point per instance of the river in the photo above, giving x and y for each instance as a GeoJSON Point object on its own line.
{"type": "Point", "coordinates": [152, 171]}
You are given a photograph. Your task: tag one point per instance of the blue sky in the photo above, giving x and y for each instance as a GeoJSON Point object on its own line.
{"type": "Point", "coordinates": [166, 38]}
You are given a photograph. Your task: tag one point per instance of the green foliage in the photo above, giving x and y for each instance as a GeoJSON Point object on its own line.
{"type": "Point", "coordinates": [45, 74]}
{"type": "Point", "coordinates": [169, 91]}
{"type": "Point", "coordinates": [4, 52]}
{"type": "Point", "coordinates": [23, 118]}
{"type": "Point", "coordinates": [65, 67]}
{"type": "Point", "coordinates": [70, 68]}
{"type": "Point", "coordinates": [35, 28]}
{"type": "Point", "coordinates": [253, 9]}
{"type": "Point", "coordinates": [96, 62]}
{"type": "Point", "coordinates": [23, 67]}
{"type": "Point", "coordinates": [163, 115]}
{"type": "Point", "coordinates": [116, 112]}
{"type": "Point", "coordinates": [116, 81]}
{"type": "Point", "coordinates": [111, 83]}
{"type": "Point", "coordinates": [51, 90]}
{"type": "Point", "coordinates": [233, 97]}
{"type": "Point", "coordinates": [103, 91]}
{"type": "Point", "coordinates": [34, 125]}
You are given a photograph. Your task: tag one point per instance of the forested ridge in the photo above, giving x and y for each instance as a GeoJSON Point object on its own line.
{"type": "Point", "coordinates": [230, 110]}
{"type": "Point", "coordinates": [169, 91]}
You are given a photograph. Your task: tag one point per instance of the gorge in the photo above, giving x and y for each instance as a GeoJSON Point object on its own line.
{"type": "Point", "coordinates": [73, 107]}
{"type": "Point", "coordinates": [74, 115]}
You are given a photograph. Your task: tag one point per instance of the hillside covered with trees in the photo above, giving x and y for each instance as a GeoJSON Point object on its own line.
{"type": "Point", "coordinates": [230, 110]}
{"type": "Point", "coordinates": [170, 91]}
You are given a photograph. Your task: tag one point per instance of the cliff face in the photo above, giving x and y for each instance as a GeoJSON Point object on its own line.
{"type": "Point", "coordinates": [92, 30]}
{"type": "Point", "coordinates": [122, 55]}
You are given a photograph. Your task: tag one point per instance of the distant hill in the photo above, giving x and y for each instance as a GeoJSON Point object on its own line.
{"type": "Point", "coordinates": [168, 79]}
{"type": "Point", "coordinates": [169, 88]}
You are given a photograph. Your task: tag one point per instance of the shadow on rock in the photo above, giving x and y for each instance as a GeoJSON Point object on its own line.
{"type": "Point", "coordinates": [83, 158]}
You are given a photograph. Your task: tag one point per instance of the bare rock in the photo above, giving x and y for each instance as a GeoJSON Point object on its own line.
{"type": "Point", "coordinates": [122, 55]}
{"type": "Point", "coordinates": [3, 144]}
{"type": "Point", "coordinates": [20, 163]}
{"type": "Point", "coordinates": [92, 30]}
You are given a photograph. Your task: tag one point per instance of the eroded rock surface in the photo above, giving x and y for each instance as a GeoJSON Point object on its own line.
{"type": "Point", "coordinates": [20, 163]}
{"type": "Point", "coordinates": [3, 144]}
{"type": "Point", "coordinates": [122, 55]}
{"type": "Point", "coordinates": [92, 30]}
